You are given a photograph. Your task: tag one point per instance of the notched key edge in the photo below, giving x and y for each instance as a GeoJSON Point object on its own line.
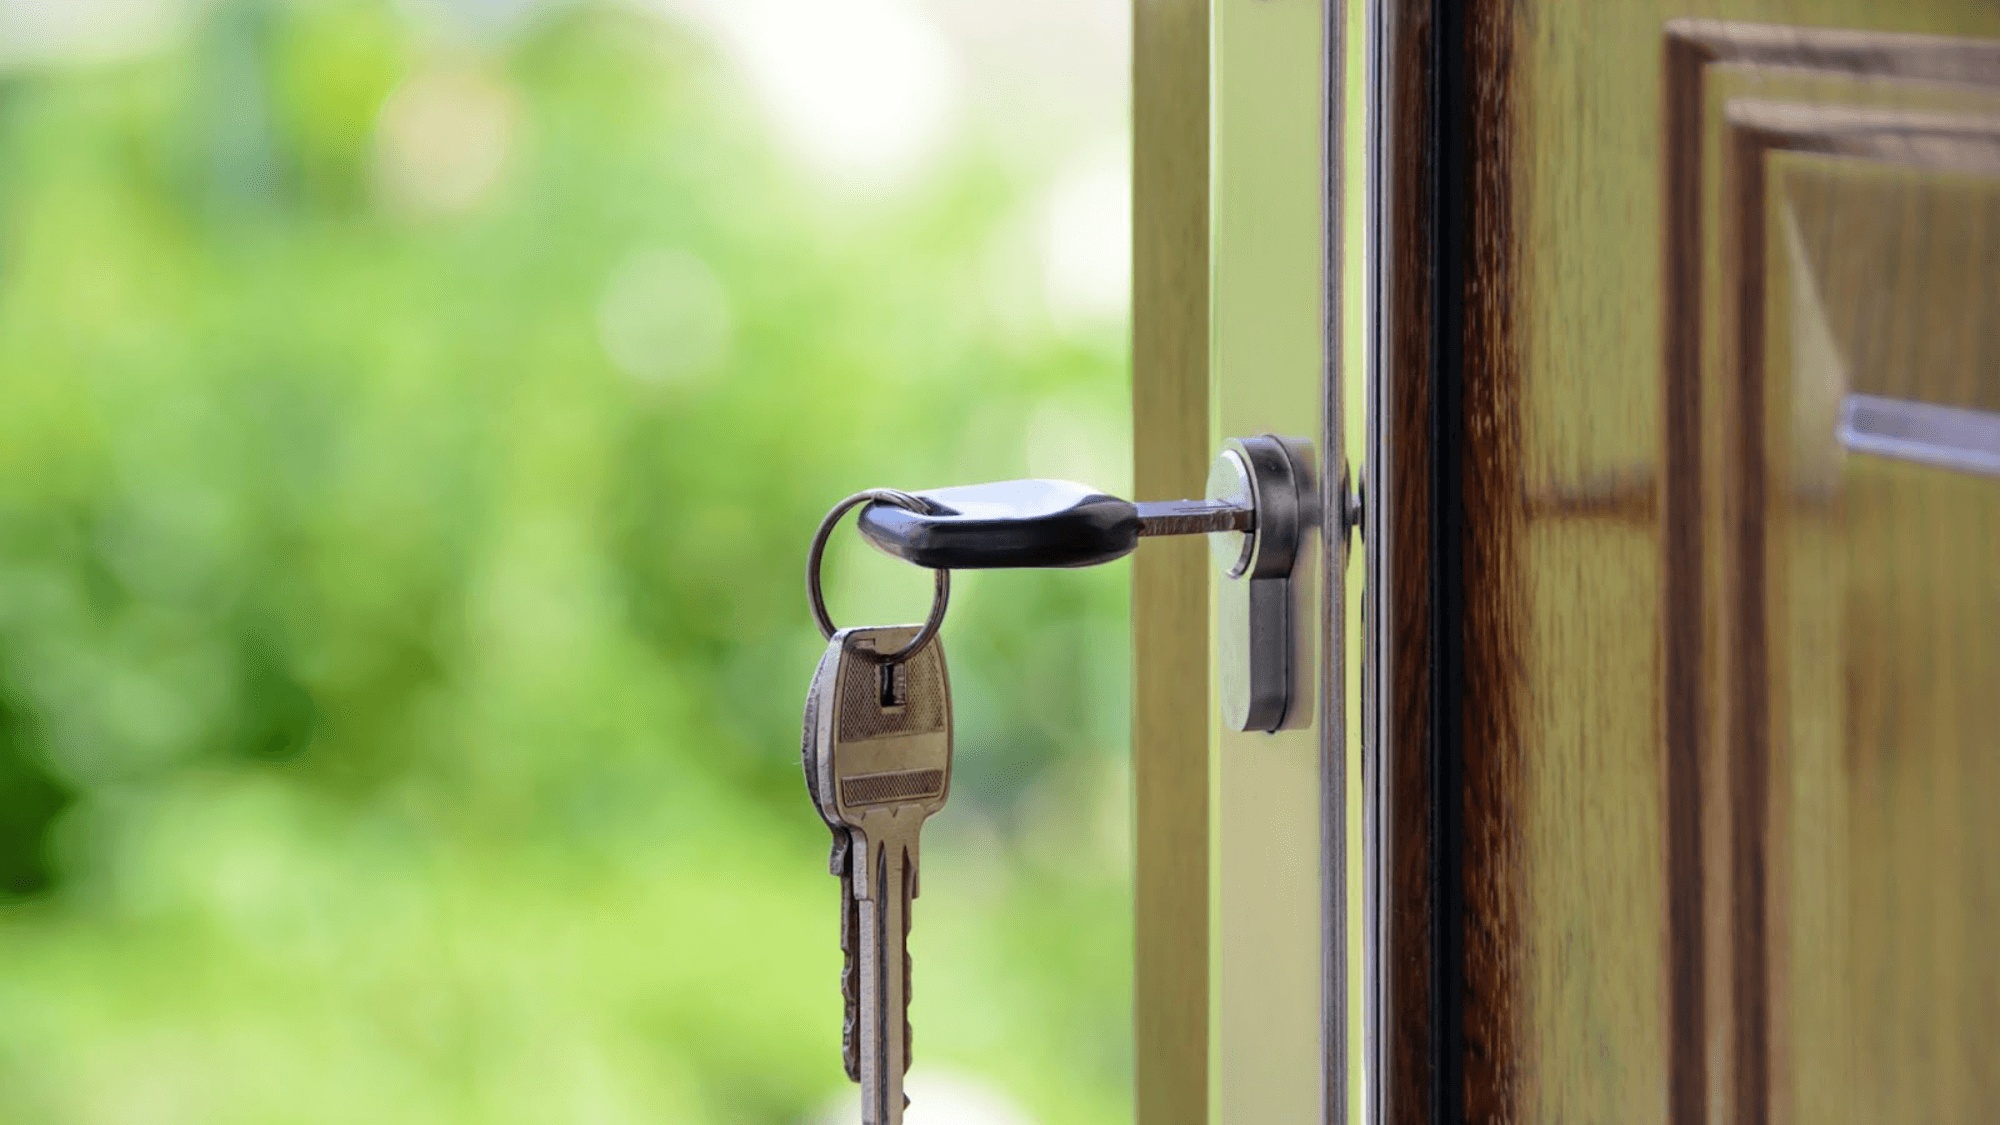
{"type": "Point", "coordinates": [838, 865]}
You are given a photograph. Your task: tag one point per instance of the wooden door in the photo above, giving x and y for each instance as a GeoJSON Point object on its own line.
{"type": "Point", "coordinates": [1664, 339]}
{"type": "Point", "coordinates": [1684, 502]}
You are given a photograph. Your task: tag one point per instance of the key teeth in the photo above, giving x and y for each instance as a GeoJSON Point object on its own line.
{"type": "Point", "coordinates": [911, 892]}
{"type": "Point", "coordinates": [851, 1055]}
{"type": "Point", "coordinates": [851, 974]}
{"type": "Point", "coordinates": [838, 864]}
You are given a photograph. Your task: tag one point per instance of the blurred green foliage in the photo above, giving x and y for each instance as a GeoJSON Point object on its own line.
{"type": "Point", "coordinates": [399, 696]}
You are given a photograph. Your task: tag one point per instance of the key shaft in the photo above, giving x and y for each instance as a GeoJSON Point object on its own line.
{"type": "Point", "coordinates": [886, 974]}
{"type": "Point", "coordinates": [1192, 517]}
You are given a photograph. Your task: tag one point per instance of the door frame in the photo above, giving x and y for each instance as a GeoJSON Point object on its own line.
{"type": "Point", "coordinates": [1243, 941]}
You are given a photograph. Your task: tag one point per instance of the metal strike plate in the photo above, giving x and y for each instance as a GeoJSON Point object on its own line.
{"type": "Point", "coordinates": [1257, 603]}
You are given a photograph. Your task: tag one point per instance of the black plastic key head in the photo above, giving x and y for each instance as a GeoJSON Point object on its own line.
{"type": "Point", "coordinates": [1016, 523]}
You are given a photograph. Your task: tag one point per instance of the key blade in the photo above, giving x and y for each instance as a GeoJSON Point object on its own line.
{"type": "Point", "coordinates": [1192, 517]}
{"type": "Point", "coordinates": [886, 981]}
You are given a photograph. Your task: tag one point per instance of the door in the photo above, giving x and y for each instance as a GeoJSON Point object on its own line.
{"type": "Point", "coordinates": [1688, 789]}
{"type": "Point", "coordinates": [1650, 773]}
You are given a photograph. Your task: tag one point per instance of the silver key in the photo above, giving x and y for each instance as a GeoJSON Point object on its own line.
{"type": "Point", "coordinates": [837, 865]}
{"type": "Point", "coordinates": [882, 744]}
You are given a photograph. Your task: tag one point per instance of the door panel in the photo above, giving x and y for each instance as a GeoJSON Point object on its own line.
{"type": "Point", "coordinates": [1687, 792]}
{"type": "Point", "coordinates": [1877, 849]}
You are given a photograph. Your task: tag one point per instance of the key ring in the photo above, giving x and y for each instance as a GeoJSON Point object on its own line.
{"type": "Point", "coordinates": [941, 585]}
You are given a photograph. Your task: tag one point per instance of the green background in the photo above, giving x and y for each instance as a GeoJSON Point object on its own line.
{"type": "Point", "coordinates": [400, 678]}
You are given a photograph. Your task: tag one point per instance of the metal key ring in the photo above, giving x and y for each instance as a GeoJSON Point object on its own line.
{"type": "Point", "coordinates": [941, 585]}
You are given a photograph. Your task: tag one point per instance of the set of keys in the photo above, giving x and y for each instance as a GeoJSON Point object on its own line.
{"type": "Point", "coordinates": [877, 746]}
{"type": "Point", "coordinates": [877, 753]}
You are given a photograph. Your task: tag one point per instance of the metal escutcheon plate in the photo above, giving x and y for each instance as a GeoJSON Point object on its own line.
{"type": "Point", "coordinates": [1257, 681]}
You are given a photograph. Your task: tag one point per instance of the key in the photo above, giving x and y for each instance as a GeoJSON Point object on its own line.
{"type": "Point", "coordinates": [837, 865]}
{"type": "Point", "coordinates": [882, 745]}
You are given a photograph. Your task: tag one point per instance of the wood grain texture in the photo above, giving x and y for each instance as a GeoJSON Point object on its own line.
{"type": "Point", "coordinates": [1597, 841]}
{"type": "Point", "coordinates": [1728, 448]}
{"type": "Point", "coordinates": [1171, 449]}
{"type": "Point", "coordinates": [1686, 715]}
{"type": "Point", "coordinates": [1403, 495]}
{"type": "Point", "coordinates": [1452, 755]}
{"type": "Point", "coordinates": [1817, 543]}
{"type": "Point", "coordinates": [1484, 603]}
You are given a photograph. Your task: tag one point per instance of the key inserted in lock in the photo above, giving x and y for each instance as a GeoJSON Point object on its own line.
{"type": "Point", "coordinates": [1261, 502]}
